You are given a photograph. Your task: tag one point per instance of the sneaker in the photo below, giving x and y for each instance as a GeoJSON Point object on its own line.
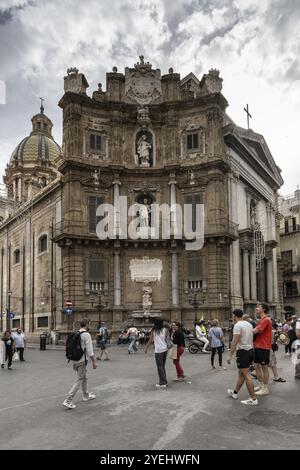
{"type": "Point", "coordinates": [250, 401]}
{"type": "Point", "coordinates": [69, 404]}
{"type": "Point", "coordinates": [2, 366]}
{"type": "Point", "coordinates": [205, 352]}
{"type": "Point", "coordinates": [98, 358]}
{"type": "Point", "coordinates": [90, 396]}
{"type": "Point", "coordinates": [107, 359]}
{"type": "Point", "coordinates": [257, 388]}
{"type": "Point", "coordinates": [263, 391]}
{"type": "Point", "coordinates": [222, 368]}
{"type": "Point", "coordinates": [163, 386]}
{"type": "Point", "coordinates": [232, 394]}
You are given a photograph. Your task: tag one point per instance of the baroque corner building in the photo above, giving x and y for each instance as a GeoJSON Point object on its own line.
{"type": "Point", "coordinates": [158, 140]}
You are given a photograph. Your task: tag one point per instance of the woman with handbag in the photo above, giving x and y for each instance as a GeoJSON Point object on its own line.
{"type": "Point", "coordinates": [177, 337]}
{"type": "Point", "coordinates": [9, 348]}
{"type": "Point", "coordinates": [158, 336]}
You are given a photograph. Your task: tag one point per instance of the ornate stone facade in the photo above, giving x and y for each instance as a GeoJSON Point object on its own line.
{"type": "Point", "coordinates": [156, 140]}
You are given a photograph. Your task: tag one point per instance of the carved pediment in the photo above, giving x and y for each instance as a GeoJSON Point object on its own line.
{"type": "Point", "coordinates": [142, 84]}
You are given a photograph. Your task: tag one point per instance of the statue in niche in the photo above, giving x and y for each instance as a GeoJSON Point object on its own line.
{"type": "Point", "coordinates": [147, 297]}
{"type": "Point", "coordinates": [143, 150]}
{"type": "Point", "coordinates": [145, 214]}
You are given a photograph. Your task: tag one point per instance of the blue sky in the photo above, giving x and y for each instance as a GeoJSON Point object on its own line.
{"type": "Point", "coordinates": [255, 44]}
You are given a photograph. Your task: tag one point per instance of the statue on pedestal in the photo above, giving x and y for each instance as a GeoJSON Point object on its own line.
{"type": "Point", "coordinates": [147, 297]}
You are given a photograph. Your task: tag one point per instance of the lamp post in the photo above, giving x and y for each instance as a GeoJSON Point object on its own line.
{"type": "Point", "coordinates": [9, 294]}
{"type": "Point", "coordinates": [101, 302]}
{"type": "Point", "coordinates": [196, 296]}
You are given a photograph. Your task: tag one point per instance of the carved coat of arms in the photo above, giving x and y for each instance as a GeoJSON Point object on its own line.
{"type": "Point", "coordinates": [142, 84]}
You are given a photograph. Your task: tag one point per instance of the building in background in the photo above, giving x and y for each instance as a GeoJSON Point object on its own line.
{"type": "Point", "coordinates": [156, 139]}
{"type": "Point", "coordinates": [289, 207]}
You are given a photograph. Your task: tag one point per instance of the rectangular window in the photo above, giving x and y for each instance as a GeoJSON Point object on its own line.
{"type": "Point", "coordinates": [16, 323]}
{"type": "Point", "coordinates": [95, 275]}
{"type": "Point", "coordinates": [195, 273]}
{"type": "Point", "coordinates": [93, 203]}
{"type": "Point", "coordinates": [287, 260]}
{"type": "Point", "coordinates": [42, 322]}
{"type": "Point", "coordinates": [193, 200]}
{"type": "Point", "coordinates": [192, 141]}
{"type": "Point", "coordinates": [290, 288]}
{"type": "Point", "coordinates": [95, 142]}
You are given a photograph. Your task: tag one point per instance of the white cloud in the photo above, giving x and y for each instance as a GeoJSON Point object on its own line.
{"type": "Point", "coordinates": [256, 45]}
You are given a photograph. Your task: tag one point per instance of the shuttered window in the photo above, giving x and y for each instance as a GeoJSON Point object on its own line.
{"type": "Point", "coordinates": [93, 203]}
{"type": "Point", "coordinates": [193, 199]}
{"type": "Point", "coordinates": [95, 142]}
{"type": "Point", "coordinates": [195, 269]}
{"type": "Point", "coordinates": [192, 141]}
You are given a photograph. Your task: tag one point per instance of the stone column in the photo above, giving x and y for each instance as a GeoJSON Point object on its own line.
{"type": "Point", "coordinates": [175, 284]}
{"type": "Point", "coordinates": [19, 181]}
{"type": "Point", "coordinates": [15, 189]}
{"type": "Point", "coordinates": [117, 278]}
{"type": "Point", "coordinates": [253, 276]}
{"type": "Point", "coordinates": [270, 280]}
{"type": "Point", "coordinates": [116, 184]}
{"type": "Point", "coordinates": [246, 283]}
{"type": "Point", "coordinates": [274, 275]}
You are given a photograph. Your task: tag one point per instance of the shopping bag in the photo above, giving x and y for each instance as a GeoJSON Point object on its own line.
{"type": "Point", "coordinates": [172, 352]}
{"type": "Point", "coordinates": [16, 357]}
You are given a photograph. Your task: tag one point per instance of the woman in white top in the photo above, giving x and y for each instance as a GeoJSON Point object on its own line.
{"type": "Point", "coordinates": [158, 337]}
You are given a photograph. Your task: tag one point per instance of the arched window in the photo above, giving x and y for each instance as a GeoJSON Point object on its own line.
{"type": "Point", "coordinates": [17, 256]}
{"type": "Point", "coordinates": [43, 241]}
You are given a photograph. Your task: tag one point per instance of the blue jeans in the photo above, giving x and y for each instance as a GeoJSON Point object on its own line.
{"type": "Point", "coordinates": [132, 346]}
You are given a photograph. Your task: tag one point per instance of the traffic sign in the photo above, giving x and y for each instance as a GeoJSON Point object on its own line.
{"type": "Point", "coordinates": [11, 315]}
{"type": "Point", "coordinates": [69, 304]}
{"type": "Point", "coordinates": [69, 311]}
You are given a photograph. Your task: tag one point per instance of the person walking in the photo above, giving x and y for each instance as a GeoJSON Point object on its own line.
{"type": "Point", "coordinates": [273, 358]}
{"type": "Point", "coordinates": [9, 348]}
{"type": "Point", "coordinates": [132, 333]}
{"type": "Point", "coordinates": [262, 346]}
{"type": "Point", "coordinates": [217, 343]}
{"type": "Point", "coordinates": [80, 367]}
{"type": "Point", "coordinates": [178, 340]}
{"type": "Point", "coordinates": [243, 344]}
{"type": "Point", "coordinates": [19, 339]}
{"type": "Point", "coordinates": [103, 338]}
{"type": "Point", "coordinates": [158, 337]}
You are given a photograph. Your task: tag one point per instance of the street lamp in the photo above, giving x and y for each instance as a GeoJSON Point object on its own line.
{"type": "Point", "coordinates": [196, 296]}
{"type": "Point", "coordinates": [101, 302]}
{"type": "Point", "coordinates": [9, 294]}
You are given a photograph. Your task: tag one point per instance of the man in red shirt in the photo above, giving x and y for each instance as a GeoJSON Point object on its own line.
{"type": "Point", "coordinates": [262, 344]}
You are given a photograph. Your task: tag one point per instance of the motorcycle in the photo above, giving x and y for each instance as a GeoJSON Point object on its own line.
{"type": "Point", "coordinates": [195, 344]}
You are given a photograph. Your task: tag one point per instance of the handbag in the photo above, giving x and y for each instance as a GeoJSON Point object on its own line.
{"type": "Point", "coordinates": [169, 342]}
{"type": "Point", "coordinates": [16, 357]}
{"type": "Point", "coordinates": [172, 352]}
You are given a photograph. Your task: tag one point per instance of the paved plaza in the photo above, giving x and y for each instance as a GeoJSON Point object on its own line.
{"type": "Point", "coordinates": [130, 413]}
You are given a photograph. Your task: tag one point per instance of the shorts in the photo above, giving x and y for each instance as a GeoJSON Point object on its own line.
{"type": "Point", "coordinates": [244, 358]}
{"type": "Point", "coordinates": [102, 345]}
{"type": "Point", "coordinates": [261, 356]}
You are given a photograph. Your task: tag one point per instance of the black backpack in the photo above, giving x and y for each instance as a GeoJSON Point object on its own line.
{"type": "Point", "coordinates": [74, 351]}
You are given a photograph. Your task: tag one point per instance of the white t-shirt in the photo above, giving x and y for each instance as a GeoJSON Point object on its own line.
{"type": "Point", "coordinates": [245, 330]}
{"type": "Point", "coordinates": [298, 325]}
{"type": "Point", "coordinates": [133, 331]}
{"type": "Point", "coordinates": [160, 344]}
{"type": "Point", "coordinates": [19, 340]}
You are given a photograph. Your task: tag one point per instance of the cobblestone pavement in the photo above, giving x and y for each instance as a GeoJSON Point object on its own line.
{"type": "Point", "coordinates": [130, 413]}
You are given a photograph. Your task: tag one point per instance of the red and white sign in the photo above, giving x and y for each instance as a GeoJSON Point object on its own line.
{"type": "Point", "coordinates": [69, 303]}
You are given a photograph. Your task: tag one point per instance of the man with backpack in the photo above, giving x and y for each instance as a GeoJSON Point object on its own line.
{"type": "Point", "coordinates": [79, 347]}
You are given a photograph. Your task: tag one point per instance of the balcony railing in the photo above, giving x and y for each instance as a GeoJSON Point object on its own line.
{"type": "Point", "coordinates": [295, 229]}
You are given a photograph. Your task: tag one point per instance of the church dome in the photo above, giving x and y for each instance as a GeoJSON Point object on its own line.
{"type": "Point", "coordinates": [39, 146]}
{"type": "Point", "coordinates": [36, 147]}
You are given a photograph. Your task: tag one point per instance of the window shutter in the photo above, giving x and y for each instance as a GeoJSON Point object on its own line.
{"type": "Point", "coordinates": [189, 141]}
{"type": "Point", "coordinates": [195, 141]}
{"type": "Point", "coordinates": [96, 270]}
{"type": "Point", "coordinates": [195, 269]}
{"type": "Point", "coordinates": [92, 141]}
{"type": "Point", "coordinates": [93, 203]}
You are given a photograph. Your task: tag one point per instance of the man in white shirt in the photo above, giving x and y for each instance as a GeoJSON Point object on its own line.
{"type": "Point", "coordinates": [19, 339]}
{"type": "Point", "coordinates": [80, 367]}
{"type": "Point", "coordinates": [243, 343]}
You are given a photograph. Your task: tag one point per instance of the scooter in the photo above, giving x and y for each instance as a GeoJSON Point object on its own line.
{"type": "Point", "coordinates": [196, 345]}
